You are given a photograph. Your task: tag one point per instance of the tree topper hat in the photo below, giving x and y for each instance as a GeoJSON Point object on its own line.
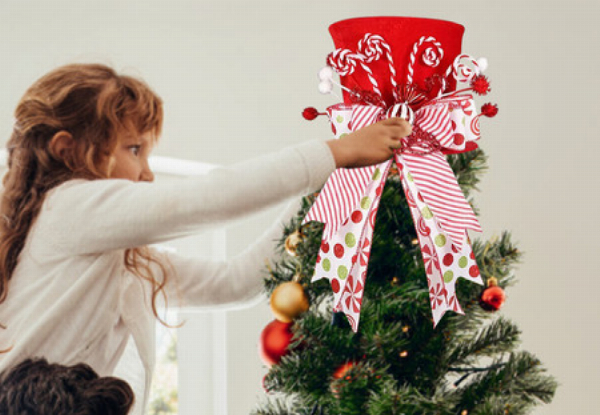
{"type": "Point", "coordinates": [407, 67]}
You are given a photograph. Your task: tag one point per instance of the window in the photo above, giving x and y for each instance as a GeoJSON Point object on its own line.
{"type": "Point", "coordinates": [190, 375]}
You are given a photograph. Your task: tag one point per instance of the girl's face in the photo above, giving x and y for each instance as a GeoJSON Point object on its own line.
{"type": "Point", "coordinates": [131, 159]}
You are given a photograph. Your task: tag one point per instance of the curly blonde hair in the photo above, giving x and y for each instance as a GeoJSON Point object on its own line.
{"type": "Point", "coordinates": [95, 105]}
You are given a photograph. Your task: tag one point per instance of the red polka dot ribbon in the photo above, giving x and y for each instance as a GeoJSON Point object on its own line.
{"type": "Point", "coordinates": [348, 204]}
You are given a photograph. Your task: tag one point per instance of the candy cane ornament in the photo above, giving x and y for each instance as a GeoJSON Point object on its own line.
{"type": "Point", "coordinates": [371, 78]}
{"type": "Point", "coordinates": [431, 57]}
{"type": "Point", "coordinates": [344, 62]}
{"type": "Point", "coordinates": [371, 48]}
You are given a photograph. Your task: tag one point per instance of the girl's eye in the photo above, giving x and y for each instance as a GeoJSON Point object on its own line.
{"type": "Point", "coordinates": [135, 149]}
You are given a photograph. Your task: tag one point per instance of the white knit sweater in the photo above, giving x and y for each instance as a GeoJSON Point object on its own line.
{"type": "Point", "coordinates": [71, 299]}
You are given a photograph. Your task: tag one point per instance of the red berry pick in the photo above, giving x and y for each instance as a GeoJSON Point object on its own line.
{"type": "Point", "coordinates": [489, 109]}
{"type": "Point", "coordinates": [310, 113]}
{"type": "Point", "coordinates": [481, 85]}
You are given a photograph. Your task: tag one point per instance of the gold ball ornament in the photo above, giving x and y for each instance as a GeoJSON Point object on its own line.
{"type": "Point", "coordinates": [292, 241]}
{"type": "Point", "coordinates": [288, 301]}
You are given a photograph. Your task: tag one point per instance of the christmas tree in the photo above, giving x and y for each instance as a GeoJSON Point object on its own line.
{"type": "Point", "coordinates": [408, 356]}
{"type": "Point", "coordinates": [397, 362]}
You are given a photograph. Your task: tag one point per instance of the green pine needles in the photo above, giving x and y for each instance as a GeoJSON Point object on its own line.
{"type": "Point", "coordinates": [398, 363]}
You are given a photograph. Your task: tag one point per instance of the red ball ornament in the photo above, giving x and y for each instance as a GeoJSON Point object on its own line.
{"type": "Point", "coordinates": [274, 341]}
{"type": "Point", "coordinates": [492, 297]}
{"type": "Point", "coordinates": [341, 373]}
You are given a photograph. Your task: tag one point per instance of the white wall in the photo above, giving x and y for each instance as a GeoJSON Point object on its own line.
{"type": "Point", "coordinates": [236, 75]}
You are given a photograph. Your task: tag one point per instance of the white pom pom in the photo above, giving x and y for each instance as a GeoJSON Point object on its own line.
{"type": "Point", "coordinates": [325, 87]}
{"type": "Point", "coordinates": [326, 73]}
{"type": "Point", "coordinates": [483, 64]}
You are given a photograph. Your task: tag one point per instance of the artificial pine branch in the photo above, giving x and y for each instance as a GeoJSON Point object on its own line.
{"type": "Point", "coordinates": [499, 336]}
{"type": "Point", "coordinates": [408, 400]}
{"type": "Point", "coordinates": [496, 258]}
{"type": "Point", "coordinates": [279, 404]}
{"type": "Point", "coordinates": [520, 377]}
{"type": "Point", "coordinates": [467, 168]}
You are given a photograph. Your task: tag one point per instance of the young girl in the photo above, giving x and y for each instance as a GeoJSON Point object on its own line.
{"type": "Point", "coordinates": [79, 207]}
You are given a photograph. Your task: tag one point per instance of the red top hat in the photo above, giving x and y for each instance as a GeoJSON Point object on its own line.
{"type": "Point", "coordinates": [419, 48]}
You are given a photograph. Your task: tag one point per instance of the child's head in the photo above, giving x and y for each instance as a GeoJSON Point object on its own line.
{"type": "Point", "coordinates": [37, 387]}
{"type": "Point", "coordinates": [70, 122]}
{"type": "Point", "coordinates": [77, 121]}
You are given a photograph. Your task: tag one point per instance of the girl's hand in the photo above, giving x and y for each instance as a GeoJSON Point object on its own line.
{"type": "Point", "coordinates": [370, 145]}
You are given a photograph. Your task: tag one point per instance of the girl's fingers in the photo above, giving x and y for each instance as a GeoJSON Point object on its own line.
{"type": "Point", "coordinates": [395, 121]}
{"type": "Point", "coordinates": [396, 143]}
{"type": "Point", "coordinates": [399, 132]}
{"type": "Point", "coordinates": [398, 127]}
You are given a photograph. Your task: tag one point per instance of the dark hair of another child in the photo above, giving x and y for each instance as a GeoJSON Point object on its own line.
{"type": "Point", "coordinates": [38, 387]}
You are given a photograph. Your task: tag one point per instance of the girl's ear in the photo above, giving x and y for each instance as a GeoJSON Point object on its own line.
{"type": "Point", "coordinates": [61, 144]}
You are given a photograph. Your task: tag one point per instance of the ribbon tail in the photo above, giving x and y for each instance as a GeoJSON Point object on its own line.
{"type": "Point", "coordinates": [344, 258]}
{"type": "Point", "coordinates": [441, 195]}
{"type": "Point", "coordinates": [444, 260]}
{"type": "Point", "coordinates": [333, 207]}
{"type": "Point", "coordinates": [351, 299]}
{"type": "Point", "coordinates": [339, 198]}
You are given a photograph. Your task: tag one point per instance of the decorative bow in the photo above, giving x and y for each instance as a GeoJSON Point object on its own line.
{"type": "Point", "coordinates": [348, 203]}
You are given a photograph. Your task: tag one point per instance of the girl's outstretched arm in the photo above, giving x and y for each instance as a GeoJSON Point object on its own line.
{"type": "Point", "coordinates": [87, 217]}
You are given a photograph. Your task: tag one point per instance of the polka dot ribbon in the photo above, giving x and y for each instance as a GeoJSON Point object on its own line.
{"type": "Point", "coordinates": [348, 204]}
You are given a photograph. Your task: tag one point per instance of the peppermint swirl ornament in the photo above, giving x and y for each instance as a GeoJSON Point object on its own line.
{"type": "Point", "coordinates": [461, 71]}
{"type": "Point", "coordinates": [431, 58]}
{"type": "Point", "coordinates": [343, 61]}
{"type": "Point", "coordinates": [371, 47]}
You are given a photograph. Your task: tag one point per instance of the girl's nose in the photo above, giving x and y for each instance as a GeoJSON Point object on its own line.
{"type": "Point", "coordinates": [147, 175]}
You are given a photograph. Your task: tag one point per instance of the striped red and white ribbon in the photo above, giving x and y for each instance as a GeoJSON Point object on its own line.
{"type": "Point", "coordinates": [348, 204]}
